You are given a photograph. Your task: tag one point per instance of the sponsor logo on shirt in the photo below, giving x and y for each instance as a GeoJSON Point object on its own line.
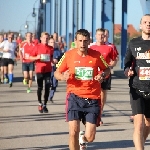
{"type": "Point", "coordinates": [76, 61]}
{"type": "Point", "coordinates": [138, 49]}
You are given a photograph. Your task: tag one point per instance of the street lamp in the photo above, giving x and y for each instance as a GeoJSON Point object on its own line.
{"type": "Point", "coordinates": [27, 24]}
{"type": "Point", "coordinates": [34, 13]}
{"type": "Point", "coordinates": [21, 29]}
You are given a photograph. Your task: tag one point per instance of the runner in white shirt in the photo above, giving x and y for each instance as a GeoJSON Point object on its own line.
{"type": "Point", "coordinates": [9, 48]}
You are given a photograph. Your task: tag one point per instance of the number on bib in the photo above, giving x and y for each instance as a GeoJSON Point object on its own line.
{"type": "Point", "coordinates": [84, 73]}
{"type": "Point", "coordinates": [45, 57]}
{"type": "Point", "coordinates": [144, 73]}
{"type": "Point", "coordinates": [26, 56]}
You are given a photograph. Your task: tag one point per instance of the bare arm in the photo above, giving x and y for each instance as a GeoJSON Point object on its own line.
{"type": "Point", "coordinates": [33, 58]}
{"type": "Point", "coordinates": [61, 77]}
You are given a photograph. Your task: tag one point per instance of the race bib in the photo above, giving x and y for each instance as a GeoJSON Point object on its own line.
{"type": "Point", "coordinates": [26, 56]}
{"type": "Point", "coordinates": [144, 73]}
{"type": "Point", "coordinates": [84, 73]}
{"type": "Point", "coordinates": [45, 57]}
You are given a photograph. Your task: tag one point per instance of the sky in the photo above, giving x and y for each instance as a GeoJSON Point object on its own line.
{"type": "Point", "coordinates": [14, 13]}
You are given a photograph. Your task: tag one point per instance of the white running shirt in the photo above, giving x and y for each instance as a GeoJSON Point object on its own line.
{"type": "Point", "coordinates": [8, 46]}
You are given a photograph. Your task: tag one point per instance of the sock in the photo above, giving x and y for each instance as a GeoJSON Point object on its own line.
{"type": "Point", "coordinates": [6, 76]}
{"type": "Point", "coordinates": [10, 77]}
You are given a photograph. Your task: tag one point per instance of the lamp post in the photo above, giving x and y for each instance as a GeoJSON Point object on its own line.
{"type": "Point", "coordinates": [21, 27]}
{"type": "Point", "coordinates": [34, 13]}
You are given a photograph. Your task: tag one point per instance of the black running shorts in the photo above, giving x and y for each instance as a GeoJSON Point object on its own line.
{"type": "Point", "coordinates": [139, 105]}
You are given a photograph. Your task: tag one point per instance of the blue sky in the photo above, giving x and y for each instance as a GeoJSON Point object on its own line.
{"type": "Point", "coordinates": [14, 13]}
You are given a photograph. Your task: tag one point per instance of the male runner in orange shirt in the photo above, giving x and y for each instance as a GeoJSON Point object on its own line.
{"type": "Point", "coordinates": [83, 101]}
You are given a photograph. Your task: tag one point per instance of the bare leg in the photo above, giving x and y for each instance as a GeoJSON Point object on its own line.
{"type": "Point", "coordinates": [74, 128]}
{"type": "Point", "coordinates": [138, 132]}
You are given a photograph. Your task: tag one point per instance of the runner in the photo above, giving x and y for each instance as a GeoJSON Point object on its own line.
{"type": "Point", "coordinates": [110, 57]}
{"type": "Point", "coordinates": [112, 45]}
{"type": "Point", "coordinates": [27, 65]}
{"type": "Point", "coordinates": [1, 55]}
{"type": "Point", "coordinates": [43, 55]}
{"type": "Point", "coordinates": [138, 52]}
{"type": "Point", "coordinates": [56, 58]}
{"type": "Point", "coordinates": [8, 58]}
{"type": "Point", "coordinates": [34, 39]}
{"type": "Point", "coordinates": [83, 101]}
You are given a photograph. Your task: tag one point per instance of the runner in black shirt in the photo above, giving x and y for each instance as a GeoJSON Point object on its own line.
{"type": "Point", "coordinates": [139, 53]}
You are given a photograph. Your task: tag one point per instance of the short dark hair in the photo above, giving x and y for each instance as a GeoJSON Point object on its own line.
{"type": "Point", "coordinates": [83, 32]}
{"type": "Point", "coordinates": [144, 16]}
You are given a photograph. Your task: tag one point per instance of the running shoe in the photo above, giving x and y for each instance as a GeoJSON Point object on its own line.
{"type": "Point", "coordinates": [40, 108]}
{"type": "Point", "coordinates": [83, 144]}
{"type": "Point", "coordinates": [24, 81]}
{"type": "Point", "coordinates": [51, 100]}
{"type": "Point", "coordinates": [5, 80]}
{"type": "Point", "coordinates": [45, 110]}
{"type": "Point", "coordinates": [28, 90]}
{"type": "Point", "coordinates": [10, 84]}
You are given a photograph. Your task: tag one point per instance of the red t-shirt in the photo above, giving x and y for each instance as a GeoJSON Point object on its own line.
{"type": "Point", "coordinates": [26, 49]}
{"type": "Point", "coordinates": [107, 52]}
{"type": "Point", "coordinates": [82, 72]}
{"type": "Point", "coordinates": [18, 41]}
{"type": "Point", "coordinates": [113, 46]}
{"type": "Point", "coordinates": [35, 41]}
{"type": "Point", "coordinates": [43, 65]}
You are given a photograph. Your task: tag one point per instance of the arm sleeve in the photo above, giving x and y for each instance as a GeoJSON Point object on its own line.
{"type": "Point", "coordinates": [102, 64]}
{"type": "Point", "coordinates": [62, 64]}
{"type": "Point", "coordinates": [128, 57]}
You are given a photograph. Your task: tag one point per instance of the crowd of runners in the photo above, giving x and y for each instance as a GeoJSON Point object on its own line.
{"type": "Point", "coordinates": [86, 67]}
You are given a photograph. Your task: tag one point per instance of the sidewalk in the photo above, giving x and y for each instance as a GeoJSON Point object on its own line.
{"type": "Point", "coordinates": [22, 127]}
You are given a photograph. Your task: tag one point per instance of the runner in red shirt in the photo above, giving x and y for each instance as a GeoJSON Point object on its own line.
{"type": "Point", "coordinates": [34, 39]}
{"type": "Point", "coordinates": [43, 55]}
{"type": "Point", "coordinates": [27, 65]}
{"type": "Point", "coordinates": [110, 57]}
{"type": "Point", "coordinates": [81, 73]}
{"type": "Point", "coordinates": [110, 44]}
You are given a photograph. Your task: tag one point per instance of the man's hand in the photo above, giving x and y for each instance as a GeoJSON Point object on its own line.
{"type": "Point", "coordinates": [55, 61]}
{"type": "Point", "coordinates": [128, 72]}
{"type": "Point", "coordinates": [99, 78]}
{"type": "Point", "coordinates": [65, 76]}
{"type": "Point", "coordinates": [38, 57]}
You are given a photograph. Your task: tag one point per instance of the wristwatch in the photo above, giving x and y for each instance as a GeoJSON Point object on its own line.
{"type": "Point", "coordinates": [103, 74]}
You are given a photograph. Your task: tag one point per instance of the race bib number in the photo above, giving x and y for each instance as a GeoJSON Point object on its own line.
{"type": "Point", "coordinates": [45, 57]}
{"type": "Point", "coordinates": [144, 73]}
{"type": "Point", "coordinates": [26, 56]}
{"type": "Point", "coordinates": [84, 73]}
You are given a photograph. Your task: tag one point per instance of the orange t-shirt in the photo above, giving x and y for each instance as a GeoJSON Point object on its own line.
{"type": "Point", "coordinates": [82, 72]}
